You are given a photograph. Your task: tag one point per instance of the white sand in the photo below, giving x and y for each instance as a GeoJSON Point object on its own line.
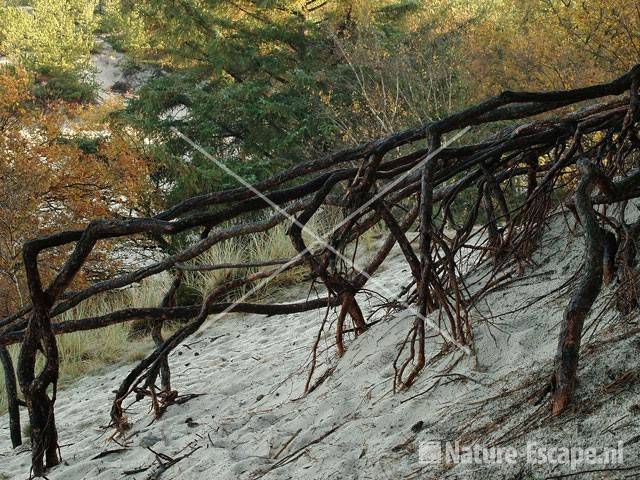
{"type": "Point", "coordinates": [109, 69]}
{"type": "Point", "coordinates": [108, 65]}
{"type": "Point", "coordinates": [252, 371]}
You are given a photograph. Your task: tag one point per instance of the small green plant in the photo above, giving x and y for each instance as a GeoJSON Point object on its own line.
{"type": "Point", "coordinates": [67, 86]}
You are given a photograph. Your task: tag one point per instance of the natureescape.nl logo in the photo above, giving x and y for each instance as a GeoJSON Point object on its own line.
{"type": "Point", "coordinates": [443, 452]}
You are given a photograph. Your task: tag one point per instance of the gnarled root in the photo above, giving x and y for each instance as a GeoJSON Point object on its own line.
{"type": "Point", "coordinates": [609, 257]}
{"type": "Point", "coordinates": [568, 352]}
{"type": "Point", "coordinates": [416, 340]}
{"type": "Point", "coordinates": [349, 306]}
{"type": "Point", "coordinates": [13, 403]}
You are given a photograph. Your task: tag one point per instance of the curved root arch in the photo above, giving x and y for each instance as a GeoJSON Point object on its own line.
{"type": "Point", "coordinates": [470, 202]}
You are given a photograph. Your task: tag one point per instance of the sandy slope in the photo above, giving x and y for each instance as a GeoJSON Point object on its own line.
{"type": "Point", "coordinates": [109, 69]}
{"type": "Point", "coordinates": [251, 372]}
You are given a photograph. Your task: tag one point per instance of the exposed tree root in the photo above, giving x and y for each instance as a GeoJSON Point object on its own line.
{"type": "Point", "coordinates": [446, 188]}
{"type": "Point", "coordinates": [13, 404]}
{"type": "Point", "coordinates": [585, 294]}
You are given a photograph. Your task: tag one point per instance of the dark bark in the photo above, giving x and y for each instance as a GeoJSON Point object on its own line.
{"type": "Point", "coordinates": [405, 246]}
{"type": "Point", "coordinates": [39, 336]}
{"type": "Point", "coordinates": [426, 269]}
{"type": "Point", "coordinates": [584, 295]}
{"type": "Point", "coordinates": [163, 369]}
{"type": "Point", "coordinates": [11, 390]}
{"type": "Point", "coordinates": [532, 173]}
{"type": "Point", "coordinates": [609, 257]}
{"type": "Point", "coordinates": [171, 313]}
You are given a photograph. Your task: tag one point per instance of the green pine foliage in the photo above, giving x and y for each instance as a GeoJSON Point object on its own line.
{"type": "Point", "coordinates": [52, 38]}
{"type": "Point", "coordinates": [266, 84]}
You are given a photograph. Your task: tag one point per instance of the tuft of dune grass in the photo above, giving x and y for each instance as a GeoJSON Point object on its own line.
{"type": "Point", "coordinates": [83, 353]}
{"type": "Point", "coordinates": [272, 244]}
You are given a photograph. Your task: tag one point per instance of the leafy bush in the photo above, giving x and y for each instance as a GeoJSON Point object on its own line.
{"type": "Point", "coordinates": [52, 38]}
{"type": "Point", "coordinates": [68, 87]}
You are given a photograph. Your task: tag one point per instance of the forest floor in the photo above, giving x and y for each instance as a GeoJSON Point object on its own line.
{"type": "Point", "coordinates": [252, 421]}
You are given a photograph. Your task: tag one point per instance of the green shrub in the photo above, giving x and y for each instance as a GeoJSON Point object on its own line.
{"type": "Point", "coordinates": [67, 86]}
{"type": "Point", "coordinates": [54, 39]}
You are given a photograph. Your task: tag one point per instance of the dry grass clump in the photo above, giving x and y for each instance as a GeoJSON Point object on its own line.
{"type": "Point", "coordinates": [272, 244]}
{"type": "Point", "coordinates": [82, 353]}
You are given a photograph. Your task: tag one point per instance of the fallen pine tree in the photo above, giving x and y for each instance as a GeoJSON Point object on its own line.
{"type": "Point", "coordinates": [479, 202]}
